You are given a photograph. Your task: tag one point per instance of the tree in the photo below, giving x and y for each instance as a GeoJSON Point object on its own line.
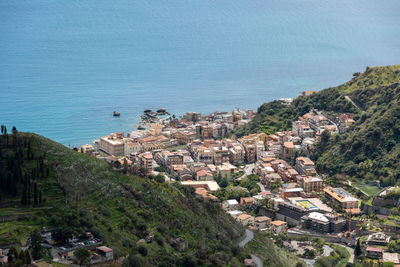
{"type": "Point", "coordinates": [14, 130]}
{"type": "Point", "coordinates": [28, 258]}
{"type": "Point", "coordinates": [142, 250]}
{"type": "Point", "coordinates": [223, 182]}
{"type": "Point", "coordinates": [392, 246]}
{"type": "Point", "coordinates": [357, 250]}
{"type": "Point", "coordinates": [125, 166]}
{"type": "Point", "coordinates": [82, 256]}
{"type": "Point", "coordinates": [159, 178]}
{"type": "Point", "coordinates": [36, 240]}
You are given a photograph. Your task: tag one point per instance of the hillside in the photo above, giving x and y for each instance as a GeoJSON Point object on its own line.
{"type": "Point", "coordinates": [44, 184]}
{"type": "Point", "coordinates": [370, 149]}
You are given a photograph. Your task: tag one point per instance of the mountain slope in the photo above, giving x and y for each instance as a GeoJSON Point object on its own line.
{"type": "Point", "coordinates": [80, 193]}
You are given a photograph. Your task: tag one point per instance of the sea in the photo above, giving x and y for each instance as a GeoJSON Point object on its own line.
{"type": "Point", "coordinates": [66, 65]}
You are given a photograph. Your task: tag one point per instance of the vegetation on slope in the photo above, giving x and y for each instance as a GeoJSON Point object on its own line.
{"type": "Point", "coordinates": [370, 149]}
{"type": "Point", "coordinates": [81, 193]}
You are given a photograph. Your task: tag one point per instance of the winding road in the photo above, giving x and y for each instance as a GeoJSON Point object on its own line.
{"type": "Point", "coordinates": [248, 237]}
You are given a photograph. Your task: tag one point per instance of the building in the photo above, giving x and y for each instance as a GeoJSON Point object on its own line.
{"type": "Point", "coordinates": [113, 144]}
{"type": "Point", "coordinates": [287, 150]}
{"type": "Point", "coordinates": [105, 252]}
{"type": "Point", "coordinates": [250, 152]}
{"type": "Point", "coordinates": [262, 222]}
{"type": "Point", "coordinates": [192, 116]}
{"type": "Point", "coordinates": [391, 257]}
{"type": "Point", "coordinates": [374, 253]}
{"type": "Point", "coordinates": [131, 147]}
{"type": "Point", "coordinates": [220, 155]}
{"type": "Point", "coordinates": [311, 184]}
{"type": "Point", "coordinates": [212, 186]}
{"type": "Point", "coordinates": [278, 227]}
{"type": "Point", "coordinates": [203, 175]}
{"type": "Point", "coordinates": [145, 160]}
{"type": "Point", "coordinates": [305, 166]}
{"type": "Point", "coordinates": [379, 239]}
{"type": "Point", "coordinates": [341, 197]}
{"type": "Point", "coordinates": [245, 219]}
{"type": "Point", "coordinates": [204, 155]}
{"type": "Point", "coordinates": [230, 204]}
{"type": "Point", "coordinates": [323, 223]}
{"type": "Point", "coordinates": [87, 149]}
{"type": "Point", "coordinates": [237, 154]}
{"type": "Point", "coordinates": [291, 192]}
{"type": "Point", "coordinates": [246, 201]}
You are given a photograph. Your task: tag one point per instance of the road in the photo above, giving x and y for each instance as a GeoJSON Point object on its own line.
{"type": "Point", "coordinates": [352, 102]}
{"type": "Point", "coordinates": [351, 252]}
{"type": "Point", "coordinates": [249, 236]}
{"type": "Point", "coordinates": [326, 253]}
{"type": "Point", "coordinates": [248, 169]}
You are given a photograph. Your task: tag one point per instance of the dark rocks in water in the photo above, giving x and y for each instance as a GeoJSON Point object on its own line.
{"type": "Point", "coordinates": [147, 111]}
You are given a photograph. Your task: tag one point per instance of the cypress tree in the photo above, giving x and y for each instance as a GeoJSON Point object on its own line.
{"type": "Point", "coordinates": [24, 200]}
{"type": "Point", "coordinates": [35, 194]}
{"type": "Point", "coordinates": [28, 259]}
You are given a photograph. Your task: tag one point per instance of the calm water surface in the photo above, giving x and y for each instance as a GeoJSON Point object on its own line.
{"type": "Point", "coordinates": [65, 66]}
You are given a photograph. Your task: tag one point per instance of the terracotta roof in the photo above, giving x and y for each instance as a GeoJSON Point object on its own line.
{"type": "Point", "coordinates": [288, 144]}
{"type": "Point", "coordinates": [243, 217]}
{"type": "Point", "coordinates": [278, 223]}
{"type": "Point", "coordinates": [374, 249]}
{"type": "Point", "coordinates": [105, 249]}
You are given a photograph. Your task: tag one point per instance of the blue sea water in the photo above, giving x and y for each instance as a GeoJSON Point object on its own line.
{"type": "Point", "coordinates": [66, 65]}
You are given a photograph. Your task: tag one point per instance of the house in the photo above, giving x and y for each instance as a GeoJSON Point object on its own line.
{"type": "Point", "coordinates": [374, 253]}
{"type": "Point", "coordinates": [246, 201]}
{"type": "Point", "coordinates": [278, 227]}
{"type": "Point", "coordinates": [230, 204]}
{"type": "Point", "coordinates": [245, 219]}
{"type": "Point", "coordinates": [379, 239]}
{"type": "Point", "coordinates": [205, 194]}
{"type": "Point", "coordinates": [262, 222]}
{"type": "Point", "coordinates": [203, 175]}
{"type": "Point", "coordinates": [105, 252]}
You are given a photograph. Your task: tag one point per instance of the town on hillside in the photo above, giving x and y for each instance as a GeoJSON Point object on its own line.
{"type": "Point", "coordinates": [266, 182]}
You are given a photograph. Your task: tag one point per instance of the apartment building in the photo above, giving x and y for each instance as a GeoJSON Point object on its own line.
{"type": "Point", "coordinates": [305, 166]}
{"type": "Point", "coordinates": [113, 144]}
{"type": "Point", "coordinates": [145, 160]}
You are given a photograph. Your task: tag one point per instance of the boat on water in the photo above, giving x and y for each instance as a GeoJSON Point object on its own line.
{"type": "Point", "coordinates": [116, 114]}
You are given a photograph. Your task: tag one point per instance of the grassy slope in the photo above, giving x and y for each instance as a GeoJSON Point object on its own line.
{"type": "Point", "coordinates": [123, 209]}
{"type": "Point", "coordinates": [269, 254]}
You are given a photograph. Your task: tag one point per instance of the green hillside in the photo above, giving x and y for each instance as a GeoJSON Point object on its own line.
{"type": "Point", "coordinates": [370, 150]}
{"type": "Point", "coordinates": [44, 184]}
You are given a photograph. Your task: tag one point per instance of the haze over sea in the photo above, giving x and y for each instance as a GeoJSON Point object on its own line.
{"type": "Point", "coordinates": [65, 66]}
